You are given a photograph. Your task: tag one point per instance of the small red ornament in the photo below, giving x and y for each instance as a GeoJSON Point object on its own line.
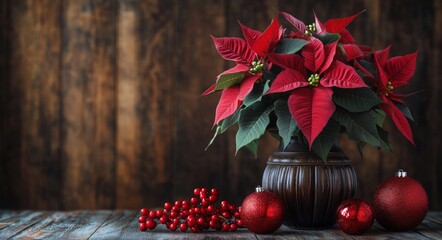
{"type": "Point", "coordinates": [262, 211]}
{"type": "Point", "coordinates": [400, 203]}
{"type": "Point", "coordinates": [354, 216]}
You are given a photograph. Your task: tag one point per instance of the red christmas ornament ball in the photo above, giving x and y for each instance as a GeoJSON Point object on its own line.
{"type": "Point", "coordinates": [262, 211]}
{"type": "Point", "coordinates": [354, 216]}
{"type": "Point", "coordinates": [400, 203]}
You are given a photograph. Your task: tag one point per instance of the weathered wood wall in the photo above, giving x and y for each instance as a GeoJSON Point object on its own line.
{"type": "Point", "coordinates": [100, 106]}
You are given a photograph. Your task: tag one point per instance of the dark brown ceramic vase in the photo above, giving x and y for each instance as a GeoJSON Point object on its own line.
{"type": "Point", "coordinates": [310, 187]}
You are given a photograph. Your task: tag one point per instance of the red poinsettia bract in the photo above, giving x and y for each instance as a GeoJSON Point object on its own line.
{"type": "Point", "coordinates": [245, 53]}
{"type": "Point", "coordinates": [310, 101]}
{"type": "Point", "coordinates": [391, 74]}
{"type": "Point", "coordinates": [336, 25]}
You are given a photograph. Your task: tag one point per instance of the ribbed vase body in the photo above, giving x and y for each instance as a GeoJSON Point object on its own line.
{"type": "Point", "coordinates": [310, 187]}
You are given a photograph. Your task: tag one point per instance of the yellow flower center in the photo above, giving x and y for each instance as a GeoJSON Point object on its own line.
{"type": "Point", "coordinates": [313, 80]}
{"type": "Point", "coordinates": [257, 67]}
{"type": "Point", "coordinates": [310, 29]}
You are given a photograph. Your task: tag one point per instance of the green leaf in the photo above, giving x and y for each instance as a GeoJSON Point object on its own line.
{"type": "Point", "coordinates": [228, 80]}
{"type": "Point", "coordinates": [224, 125]}
{"type": "Point", "coordinates": [253, 147]}
{"type": "Point", "coordinates": [360, 126]}
{"type": "Point", "coordinates": [328, 38]}
{"type": "Point", "coordinates": [369, 67]}
{"type": "Point", "coordinates": [378, 116]}
{"type": "Point", "coordinates": [253, 123]}
{"type": "Point", "coordinates": [230, 120]}
{"type": "Point", "coordinates": [256, 94]}
{"type": "Point", "coordinates": [355, 99]}
{"type": "Point", "coordinates": [217, 132]}
{"type": "Point", "coordinates": [285, 123]}
{"type": "Point", "coordinates": [326, 139]}
{"type": "Point", "coordinates": [385, 143]}
{"type": "Point", "coordinates": [290, 45]}
{"type": "Point", "coordinates": [405, 110]}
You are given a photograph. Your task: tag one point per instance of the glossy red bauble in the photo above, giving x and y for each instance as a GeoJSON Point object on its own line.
{"type": "Point", "coordinates": [354, 216]}
{"type": "Point", "coordinates": [400, 203]}
{"type": "Point", "coordinates": [262, 212]}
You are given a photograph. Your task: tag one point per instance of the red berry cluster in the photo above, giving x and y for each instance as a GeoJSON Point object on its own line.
{"type": "Point", "coordinates": [196, 214]}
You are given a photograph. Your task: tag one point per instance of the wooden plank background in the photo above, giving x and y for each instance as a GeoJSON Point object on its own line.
{"type": "Point", "coordinates": [100, 101]}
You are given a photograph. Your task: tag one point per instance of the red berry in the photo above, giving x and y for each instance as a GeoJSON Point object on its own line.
{"type": "Point", "coordinates": [205, 202]}
{"type": "Point", "coordinates": [192, 222]}
{"type": "Point", "coordinates": [196, 191]}
{"type": "Point", "coordinates": [173, 227]}
{"type": "Point", "coordinates": [215, 218]}
{"type": "Point", "coordinates": [213, 198]}
{"type": "Point", "coordinates": [211, 209]}
{"type": "Point", "coordinates": [185, 205]}
{"type": "Point", "coordinates": [142, 219]}
{"type": "Point", "coordinates": [183, 227]}
{"type": "Point", "coordinates": [143, 227]}
{"type": "Point", "coordinates": [232, 208]}
{"type": "Point", "coordinates": [144, 212]}
{"type": "Point", "coordinates": [212, 224]}
{"type": "Point", "coordinates": [151, 224]}
{"type": "Point", "coordinates": [201, 221]}
{"type": "Point", "coordinates": [194, 229]}
{"type": "Point", "coordinates": [226, 215]}
{"type": "Point", "coordinates": [178, 203]}
{"type": "Point", "coordinates": [233, 227]}
{"type": "Point", "coordinates": [226, 227]}
{"type": "Point", "coordinates": [152, 214]}
{"type": "Point", "coordinates": [184, 213]}
{"type": "Point", "coordinates": [194, 200]}
{"type": "Point", "coordinates": [168, 206]}
{"type": "Point", "coordinates": [214, 191]}
{"type": "Point", "coordinates": [159, 213]}
{"type": "Point", "coordinates": [163, 219]}
{"type": "Point", "coordinates": [174, 214]}
{"type": "Point", "coordinates": [203, 211]}
{"type": "Point", "coordinates": [197, 210]}
{"type": "Point", "coordinates": [240, 223]}
{"type": "Point", "coordinates": [176, 221]}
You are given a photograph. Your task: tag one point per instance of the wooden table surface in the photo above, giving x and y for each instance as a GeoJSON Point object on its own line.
{"type": "Point", "coordinates": [122, 224]}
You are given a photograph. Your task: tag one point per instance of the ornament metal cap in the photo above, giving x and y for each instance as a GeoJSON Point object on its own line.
{"type": "Point", "coordinates": [259, 189]}
{"type": "Point", "coordinates": [401, 173]}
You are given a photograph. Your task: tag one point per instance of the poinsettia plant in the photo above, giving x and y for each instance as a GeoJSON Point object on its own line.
{"type": "Point", "coordinates": [311, 81]}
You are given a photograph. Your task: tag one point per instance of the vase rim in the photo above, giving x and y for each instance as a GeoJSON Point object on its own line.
{"type": "Point", "coordinates": [307, 158]}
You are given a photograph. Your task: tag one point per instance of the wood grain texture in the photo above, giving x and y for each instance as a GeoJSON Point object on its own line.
{"type": "Point", "coordinates": [196, 65]}
{"type": "Point", "coordinates": [104, 79]}
{"type": "Point", "coordinates": [100, 101]}
{"type": "Point", "coordinates": [124, 225]}
{"type": "Point", "coordinates": [144, 103]}
{"type": "Point", "coordinates": [36, 53]}
{"type": "Point", "coordinates": [88, 97]}
{"type": "Point", "coordinates": [114, 225]}
{"type": "Point", "coordinates": [8, 116]}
